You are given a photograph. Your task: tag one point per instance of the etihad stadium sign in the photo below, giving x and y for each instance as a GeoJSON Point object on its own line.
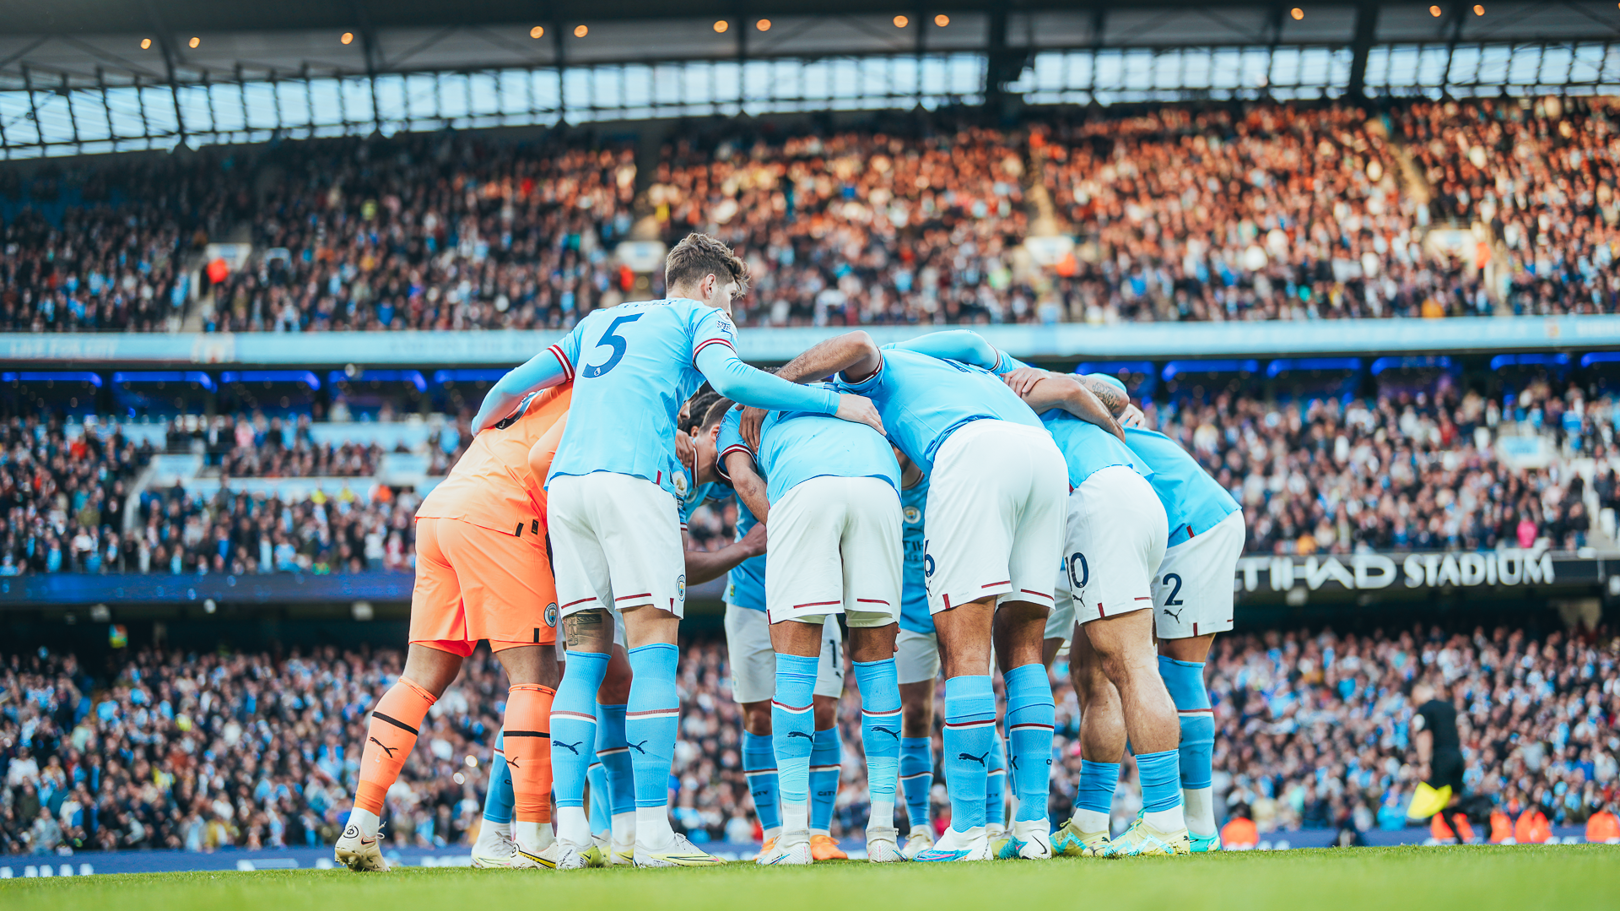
{"type": "Point", "coordinates": [1371, 572]}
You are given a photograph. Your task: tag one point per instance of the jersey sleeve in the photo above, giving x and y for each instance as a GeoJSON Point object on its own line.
{"type": "Point", "coordinates": [741, 383]}
{"type": "Point", "coordinates": [567, 350]}
{"type": "Point", "coordinates": [872, 383]}
{"type": "Point", "coordinates": [712, 326]}
{"type": "Point", "coordinates": [961, 345]}
{"type": "Point", "coordinates": [729, 441]}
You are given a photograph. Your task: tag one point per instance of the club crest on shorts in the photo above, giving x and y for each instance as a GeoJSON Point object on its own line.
{"type": "Point", "coordinates": [551, 615]}
{"type": "Point", "coordinates": [680, 587]}
{"type": "Point", "coordinates": [912, 515]}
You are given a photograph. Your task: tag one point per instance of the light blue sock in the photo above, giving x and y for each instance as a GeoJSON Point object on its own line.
{"type": "Point", "coordinates": [652, 719]}
{"type": "Point", "coordinates": [917, 779]}
{"type": "Point", "coordinates": [759, 765]}
{"type": "Point", "coordinates": [970, 733]}
{"type": "Point", "coordinates": [793, 723]}
{"type": "Point", "coordinates": [601, 816]}
{"type": "Point", "coordinates": [615, 755]}
{"type": "Point", "coordinates": [826, 762]}
{"type": "Point", "coordinates": [498, 800]}
{"type": "Point", "coordinates": [1095, 793]}
{"type": "Point", "coordinates": [573, 726]}
{"type": "Point", "coordinates": [1030, 716]}
{"type": "Point", "coordinates": [880, 733]}
{"type": "Point", "coordinates": [1185, 681]}
{"type": "Point", "coordinates": [995, 786]}
{"type": "Point", "coordinates": [1160, 774]}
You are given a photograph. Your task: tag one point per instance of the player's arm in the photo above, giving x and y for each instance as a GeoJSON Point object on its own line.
{"type": "Point", "coordinates": [1109, 391]}
{"type": "Point", "coordinates": [853, 354]}
{"type": "Point", "coordinates": [1042, 391]}
{"type": "Point", "coordinates": [735, 463]}
{"type": "Point", "coordinates": [548, 368]}
{"type": "Point", "coordinates": [739, 382]}
{"type": "Point", "coordinates": [703, 566]}
{"type": "Point", "coordinates": [1424, 742]}
{"type": "Point", "coordinates": [965, 346]}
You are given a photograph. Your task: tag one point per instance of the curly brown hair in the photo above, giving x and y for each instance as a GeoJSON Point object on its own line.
{"type": "Point", "coordinates": [698, 256]}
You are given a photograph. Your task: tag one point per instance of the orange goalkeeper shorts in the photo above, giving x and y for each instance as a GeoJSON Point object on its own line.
{"type": "Point", "coordinates": [476, 583]}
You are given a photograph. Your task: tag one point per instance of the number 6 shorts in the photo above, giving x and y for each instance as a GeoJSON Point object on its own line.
{"type": "Point", "coordinates": [1112, 545]}
{"type": "Point", "coordinates": [615, 544]}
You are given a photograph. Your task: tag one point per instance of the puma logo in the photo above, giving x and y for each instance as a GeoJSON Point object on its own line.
{"type": "Point", "coordinates": [1013, 761]}
{"type": "Point", "coordinates": [1176, 614]}
{"type": "Point", "coordinates": [978, 759]}
{"type": "Point", "coordinates": [385, 747]}
{"type": "Point", "coordinates": [891, 733]}
{"type": "Point", "coordinates": [570, 747]}
{"type": "Point", "coordinates": [638, 747]}
{"type": "Point", "coordinates": [793, 734]}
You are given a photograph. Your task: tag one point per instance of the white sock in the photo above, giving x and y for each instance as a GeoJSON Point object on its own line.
{"type": "Point", "coordinates": [491, 832]}
{"type": "Point", "coordinates": [772, 832]}
{"type": "Point", "coordinates": [366, 820]}
{"type": "Point", "coordinates": [882, 815]}
{"type": "Point", "coordinates": [795, 817]}
{"type": "Point", "coordinates": [1091, 820]}
{"type": "Point", "coordinates": [624, 830]}
{"type": "Point", "coordinates": [573, 825]}
{"type": "Point", "coordinates": [534, 837]}
{"type": "Point", "coordinates": [653, 831]}
{"type": "Point", "coordinates": [1200, 808]}
{"type": "Point", "coordinates": [1171, 820]}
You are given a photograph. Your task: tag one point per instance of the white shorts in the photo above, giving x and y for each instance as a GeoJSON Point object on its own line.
{"type": "Point", "coordinates": [615, 542]}
{"type": "Point", "coordinates": [753, 662]}
{"type": "Point", "coordinates": [1192, 591]}
{"type": "Point", "coordinates": [916, 656]}
{"type": "Point", "coordinates": [1114, 542]}
{"type": "Point", "coordinates": [835, 548]}
{"type": "Point", "coordinates": [994, 519]}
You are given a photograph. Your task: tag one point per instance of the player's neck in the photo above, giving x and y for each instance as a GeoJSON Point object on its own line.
{"type": "Point", "coordinates": [686, 292]}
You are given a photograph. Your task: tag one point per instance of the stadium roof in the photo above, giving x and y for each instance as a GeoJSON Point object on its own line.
{"type": "Point", "coordinates": [107, 75]}
{"type": "Point", "coordinates": [78, 37]}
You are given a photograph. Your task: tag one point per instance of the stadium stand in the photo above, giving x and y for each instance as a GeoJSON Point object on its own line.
{"type": "Point", "coordinates": [201, 751]}
{"type": "Point", "coordinates": [1271, 211]}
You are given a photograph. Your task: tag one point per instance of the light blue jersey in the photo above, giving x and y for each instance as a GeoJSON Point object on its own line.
{"type": "Point", "coordinates": [632, 366]}
{"type": "Point", "coordinates": [1193, 501]}
{"type": "Point", "coordinates": [923, 399]}
{"type": "Point", "coordinates": [745, 584]}
{"type": "Point", "coordinates": [914, 613]}
{"type": "Point", "coordinates": [796, 446]}
{"type": "Point", "coordinates": [1088, 448]}
{"type": "Point", "coordinates": [697, 496]}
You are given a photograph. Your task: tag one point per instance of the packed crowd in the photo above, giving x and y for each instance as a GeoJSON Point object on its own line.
{"type": "Point", "coordinates": [860, 227]}
{"type": "Point", "coordinates": [1542, 177]}
{"type": "Point", "coordinates": [1265, 212]}
{"type": "Point", "coordinates": [1399, 472]}
{"type": "Point", "coordinates": [62, 499]}
{"type": "Point", "coordinates": [254, 446]}
{"type": "Point", "coordinates": [251, 750]}
{"type": "Point", "coordinates": [241, 533]}
{"type": "Point", "coordinates": [1183, 212]}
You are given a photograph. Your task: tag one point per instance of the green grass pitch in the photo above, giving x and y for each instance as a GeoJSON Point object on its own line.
{"type": "Point", "coordinates": [1522, 878]}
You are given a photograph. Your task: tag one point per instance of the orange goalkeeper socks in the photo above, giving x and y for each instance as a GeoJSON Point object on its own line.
{"type": "Point", "coordinates": [528, 750]}
{"type": "Point", "coordinates": [390, 735]}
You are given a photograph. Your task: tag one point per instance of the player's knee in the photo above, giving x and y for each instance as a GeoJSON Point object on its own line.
{"type": "Point", "coordinates": [826, 712]}
{"type": "Point", "coordinates": [916, 720]}
{"type": "Point", "coordinates": [757, 718]}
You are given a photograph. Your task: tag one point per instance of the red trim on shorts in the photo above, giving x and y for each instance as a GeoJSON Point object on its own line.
{"type": "Point", "coordinates": [994, 584]}
{"type": "Point", "coordinates": [1144, 599]}
{"type": "Point", "coordinates": [628, 597]}
{"type": "Point", "coordinates": [1026, 591]}
{"type": "Point", "coordinates": [817, 604]}
{"type": "Point", "coordinates": [1195, 630]}
{"type": "Point", "coordinates": [580, 601]}
{"type": "Point", "coordinates": [870, 601]}
{"type": "Point", "coordinates": [1100, 613]}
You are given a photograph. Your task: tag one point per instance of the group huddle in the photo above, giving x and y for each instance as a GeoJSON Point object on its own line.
{"type": "Point", "coordinates": [955, 506]}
